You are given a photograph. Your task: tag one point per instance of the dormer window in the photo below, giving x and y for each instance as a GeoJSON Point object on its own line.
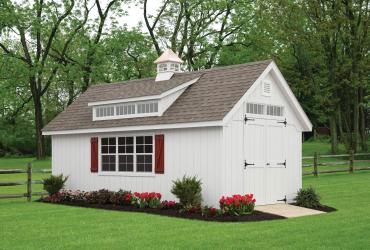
{"type": "Point", "coordinates": [126, 110]}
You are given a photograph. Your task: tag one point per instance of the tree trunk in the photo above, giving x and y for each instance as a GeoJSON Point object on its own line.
{"type": "Point", "coordinates": [333, 134]}
{"type": "Point", "coordinates": [363, 133]}
{"type": "Point", "coordinates": [342, 135]}
{"type": "Point", "coordinates": [38, 126]}
{"type": "Point", "coordinates": [356, 119]}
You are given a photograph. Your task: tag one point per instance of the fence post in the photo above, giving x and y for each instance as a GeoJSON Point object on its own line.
{"type": "Point", "coordinates": [29, 181]}
{"type": "Point", "coordinates": [315, 162]}
{"type": "Point", "coordinates": [351, 159]}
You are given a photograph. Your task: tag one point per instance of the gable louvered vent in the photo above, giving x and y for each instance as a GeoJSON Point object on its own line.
{"type": "Point", "coordinates": [266, 88]}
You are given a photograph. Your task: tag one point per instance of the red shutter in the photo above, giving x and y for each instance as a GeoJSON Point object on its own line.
{"type": "Point", "coordinates": [159, 154]}
{"type": "Point", "coordinates": [94, 155]}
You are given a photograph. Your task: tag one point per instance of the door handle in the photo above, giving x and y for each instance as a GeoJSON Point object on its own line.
{"type": "Point", "coordinates": [268, 164]}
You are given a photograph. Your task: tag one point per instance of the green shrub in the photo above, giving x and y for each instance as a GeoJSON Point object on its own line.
{"type": "Point", "coordinates": [121, 197]}
{"type": "Point", "coordinates": [54, 183]}
{"type": "Point", "coordinates": [307, 197]}
{"type": "Point", "coordinates": [188, 190]}
{"type": "Point", "coordinates": [102, 196]}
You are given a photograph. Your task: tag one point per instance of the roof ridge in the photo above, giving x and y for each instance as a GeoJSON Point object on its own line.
{"type": "Point", "coordinates": [228, 66]}
{"type": "Point", "coordinates": [202, 71]}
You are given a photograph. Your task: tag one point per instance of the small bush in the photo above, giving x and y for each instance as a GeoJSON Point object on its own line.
{"type": "Point", "coordinates": [67, 196]}
{"type": "Point", "coordinates": [54, 183]}
{"type": "Point", "coordinates": [188, 190]}
{"type": "Point", "coordinates": [237, 204]}
{"type": "Point", "coordinates": [209, 211]}
{"type": "Point", "coordinates": [102, 196]}
{"type": "Point", "coordinates": [121, 198]}
{"type": "Point", "coordinates": [196, 209]}
{"type": "Point", "coordinates": [307, 197]}
{"type": "Point", "coordinates": [169, 205]}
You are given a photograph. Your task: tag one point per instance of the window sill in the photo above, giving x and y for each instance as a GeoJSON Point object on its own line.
{"type": "Point", "coordinates": [126, 174]}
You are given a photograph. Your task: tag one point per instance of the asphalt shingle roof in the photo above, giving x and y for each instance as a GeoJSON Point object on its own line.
{"type": "Point", "coordinates": [208, 99]}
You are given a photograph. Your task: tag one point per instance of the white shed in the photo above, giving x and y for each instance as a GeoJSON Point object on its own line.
{"type": "Point", "coordinates": [238, 128]}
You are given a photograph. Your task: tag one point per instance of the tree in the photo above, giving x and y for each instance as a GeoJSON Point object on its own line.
{"type": "Point", "coordinates": [197, 30]}
{"type": "Point", "coordinates": [39, 35]}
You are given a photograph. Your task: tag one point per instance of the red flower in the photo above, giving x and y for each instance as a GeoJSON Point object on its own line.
{"type": "Point", "coordinates": [127, 197]}
{"type": "Point", "coordinates": [212, 211]}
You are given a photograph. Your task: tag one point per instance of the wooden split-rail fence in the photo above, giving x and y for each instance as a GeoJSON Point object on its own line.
{"type": "Point", "coordinates": [347, 161]}
{"type": "Point", "coordinates": [28, 182]}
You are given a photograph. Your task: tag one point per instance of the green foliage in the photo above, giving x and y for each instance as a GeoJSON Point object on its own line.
{"type": "Point", "coordinates": [102, 196]}
{"type": "Point", "coordinates": [321, 49]}
{"type": "Point", "coordinates": [307, 197]}
{"type": "Point", "coordinates": [188, 190]}
{"type": "Point", "coordinates": [54, 183]}
{"type": "Point", "coordinates": [210, 211]}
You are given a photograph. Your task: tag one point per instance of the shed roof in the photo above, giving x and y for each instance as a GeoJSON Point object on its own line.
{"type": "Point", "coordinates": [208, 99]}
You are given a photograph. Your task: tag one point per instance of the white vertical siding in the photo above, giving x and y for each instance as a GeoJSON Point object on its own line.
{"type": "Point", "coordinates": [233, 171]}
{"type": "Point", "coordinates": [194, 151]}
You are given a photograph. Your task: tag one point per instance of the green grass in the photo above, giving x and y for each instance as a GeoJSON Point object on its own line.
{"type": "Point", "coordinates": [45, 226]}
{"type": "Point", "coordinates": [21, 163]}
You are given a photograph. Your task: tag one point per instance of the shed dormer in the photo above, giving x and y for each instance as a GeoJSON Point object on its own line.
{"type": "Point", "coordinates": [167, 64]}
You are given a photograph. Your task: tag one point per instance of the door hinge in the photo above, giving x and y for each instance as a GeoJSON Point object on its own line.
{"type": "Point", "coordinates": [247, 164]}
{"type": "Point", "coordinates": [247, 119]}
{"type": "Point", "coordinates": [284, 122]}
{"type": "Point", "coordinates": [282, 164]}
{"type": "Point", "coordinates": [285, 200]}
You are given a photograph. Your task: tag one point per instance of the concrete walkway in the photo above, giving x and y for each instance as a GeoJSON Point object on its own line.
{"type": "Point", "coordinates": [286, 210]}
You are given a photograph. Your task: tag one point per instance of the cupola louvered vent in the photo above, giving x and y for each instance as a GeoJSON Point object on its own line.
{"type": "Point", "coordinates": [266, 88]}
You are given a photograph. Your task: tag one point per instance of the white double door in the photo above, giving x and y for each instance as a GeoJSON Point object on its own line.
{"type": "Point", "coordinates": [265, 171]}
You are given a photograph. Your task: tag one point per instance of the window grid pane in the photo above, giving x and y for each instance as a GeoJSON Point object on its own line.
{"type": "Point", "coordinates": [108, 154]}
{"type": "Point", "coordinates": [127, 109]}
{"type": "Point", "coordinates": [144, 153]}
{"type": "Point", "coordinates": [127, 154]}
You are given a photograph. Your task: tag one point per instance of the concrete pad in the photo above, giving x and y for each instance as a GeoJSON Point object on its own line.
{"type": "Point", "coordinates": [287, 210]}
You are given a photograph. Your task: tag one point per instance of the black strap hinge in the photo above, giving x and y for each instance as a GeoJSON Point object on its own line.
{"type": "Point", "coordinates": [247, 119]}
{"type": "Point", "coordinates": [284, 122]}
{"type": "Point", "coordinates": [285, 200]}
{"type": "Point", "coordinates": [282, 163]}
{"type": "Point", "coordinates": [247, 164]}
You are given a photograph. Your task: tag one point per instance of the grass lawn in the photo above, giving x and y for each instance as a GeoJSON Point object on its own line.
{"type": "Point", "coordinates": [46, 226]}
{"type": "Point", "coordinates": [21, 162]}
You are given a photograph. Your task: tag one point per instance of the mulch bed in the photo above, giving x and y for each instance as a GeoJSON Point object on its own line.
{"type": "Point", "coordinates": [322, 208]}
{"type": "Point", "coordinates": [255, 216]}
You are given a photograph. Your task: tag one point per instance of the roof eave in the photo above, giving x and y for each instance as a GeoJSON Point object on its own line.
{"type": "Point", "coordinates": [135, 128]}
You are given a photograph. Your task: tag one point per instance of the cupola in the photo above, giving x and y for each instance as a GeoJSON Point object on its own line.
{"type": "Point", "coordinates": [167, 64]}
